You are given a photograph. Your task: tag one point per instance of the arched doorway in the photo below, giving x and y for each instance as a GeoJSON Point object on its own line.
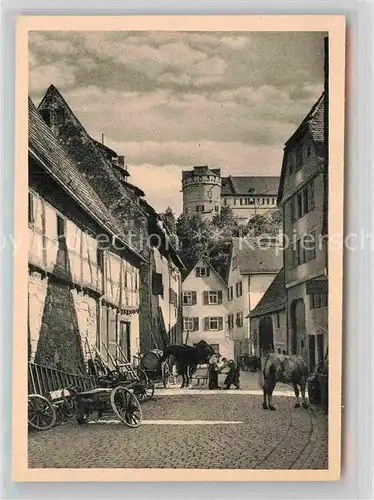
{"type": "Point", "coordinates": [298, 330]}
{"type": "Point", "coordinates": [266, 334]}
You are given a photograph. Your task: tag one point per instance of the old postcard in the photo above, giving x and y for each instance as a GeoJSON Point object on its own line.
{"type": "Point", "coordinates": [178, 286]}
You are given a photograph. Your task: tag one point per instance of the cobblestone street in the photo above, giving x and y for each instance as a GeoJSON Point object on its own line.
{"type": "Point", "coordinates": [194, 428]}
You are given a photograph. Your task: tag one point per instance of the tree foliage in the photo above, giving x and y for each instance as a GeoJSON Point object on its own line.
{"type": "Point", "coordinates": [198, 237]}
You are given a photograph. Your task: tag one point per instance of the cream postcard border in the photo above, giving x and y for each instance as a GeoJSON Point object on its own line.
{"type": "Point", "coordinates": [335, 26]}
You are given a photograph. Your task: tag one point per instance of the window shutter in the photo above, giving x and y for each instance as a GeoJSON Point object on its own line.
{"type": "Point", "coordinates": [220, 323]}
{"type": "Point", "coordinates": [220, 297]}
{"type": "Point", "coordinates": [198, 272]}
{"type": "Point", "coordinates": [206, 323]}
{"type": "Point", "coordinates": [157, 286]}
{"type": "Point", "coordinates": [196, 324]}
{"type": "Point", "coordinates": [206, 298]}
{"type": "Point", "coordinates": [194, 298]}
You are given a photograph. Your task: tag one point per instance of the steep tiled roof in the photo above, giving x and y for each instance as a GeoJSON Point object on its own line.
{"type": "Point", "coordinates": [274, 299]}
{"type": "Point", "coordinates": [256, 259]}
{"type": "Point", "coordinates": [250, 185]}
{"type": "Point", "coordinates": [314, 124]}
{"type": "Point", "coordinates": [95, 166]}
{"type": "Point", "coordinates": [45, 148]}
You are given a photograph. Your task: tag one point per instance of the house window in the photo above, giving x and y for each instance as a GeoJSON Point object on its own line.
{"type": "Point", "coordinates": [186, 210]}
{"type": "Point", "coordinates": [157, 284]}
{"type": "Point", "coordinates": [212, 298]}
{"type": "Point", "coordinates": [189, 298]}
{"type": "Point", "coordinates": [303, 202]}
{"type": "Point", "coordinates": [299, 252]}
{"type": "Point", "coordinates": [202, 271]}
{"type": "Point", "coordinates": [173, 297]}
{"type": "Point", "coordinates": [190, 324]}
{"type": "Point", "coordinates": [292, 210]}
{"type": "Point", "coordinates": [239, 319]}
{"type": "Point", "coordinates": [100, 259]}
{"type": "Point", "coordinates": [239, 289]}
{"type": "Point", "coordinates": [277, 319]}
{"type": "Point", "coordinates": [214, 323]}
{"type": "Point", "coordinates": [318, 300]}
{"type": "Point", "coordinates": [230, 321]}
{"type": "Point", "coordinates": [230, 293]}
{"type": "Point", "coordinates": [31, 209]}
{"type": "Point", "coordinates": [60, 226]}
{"type": "Point", "coordinates": [200, 208]}
{"type": "Point", "coordinates": [216, 208]}
{"type": "Point", "coordinates": [307, 151]}
{"type": "Point", "coordinates": [311, 202]}
{"type": "Point", "coordinates": [309, 243]}
{"type": "Point", "coordinates": [299, 205]}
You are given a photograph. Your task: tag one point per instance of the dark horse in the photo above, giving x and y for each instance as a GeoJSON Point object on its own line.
{"type": "Point", "coordinates": [188, 357]}
{"type": "Point", "coordinates": [282, 368]}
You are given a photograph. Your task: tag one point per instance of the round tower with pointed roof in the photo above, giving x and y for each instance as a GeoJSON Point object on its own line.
{"type": "Point", "coordinates": [201, 189]}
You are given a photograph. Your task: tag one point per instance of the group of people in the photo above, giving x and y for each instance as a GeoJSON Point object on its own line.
{"type": "Point", "coordinates": [216, 366]}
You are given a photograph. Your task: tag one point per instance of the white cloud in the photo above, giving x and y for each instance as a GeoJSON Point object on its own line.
{"type": "Point", "coordinates": [161, 185]}
{"type": "Point", "coordinates": [61, 75]}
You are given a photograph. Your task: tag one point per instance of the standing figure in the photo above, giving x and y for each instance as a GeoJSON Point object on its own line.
{"type": "Point", "coordinates": [213, 371]}
{"type": "Point", "coordinates": [233, 376]}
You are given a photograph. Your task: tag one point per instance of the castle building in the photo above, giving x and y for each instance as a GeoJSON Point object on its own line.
{"type": "Point", "coordinates": [201, 191]}
{"type": "Point", "coordinates": [205, 192]}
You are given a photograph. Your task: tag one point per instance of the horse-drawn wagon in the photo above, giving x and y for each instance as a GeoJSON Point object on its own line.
{"type": "Point", "coordinates": [155, 368]}
{"type": "Point", "coordinates": [119, 391]}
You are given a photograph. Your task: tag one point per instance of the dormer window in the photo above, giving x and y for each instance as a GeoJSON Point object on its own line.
{"type": "Point", "coordinates": [59, 116]}
{"type": "Point", "coordinates": [251, 190]}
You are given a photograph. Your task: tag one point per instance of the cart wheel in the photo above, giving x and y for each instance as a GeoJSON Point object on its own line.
{"type": "Point", "coordinates": [41, 413]}
{"type": "Point", "coordinates": [147, 393]}
{"type": "Point", "coordinates": [59, 413]}
{"type": "Point", "coordinates": [165, 375]}
{"type": "Point", "coordinates": [142, 376]}
{"type": "Point", "coordinates": [126, 406]}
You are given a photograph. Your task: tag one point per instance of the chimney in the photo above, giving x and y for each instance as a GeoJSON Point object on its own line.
{"type": "Point", "coordinates": [121, 162]}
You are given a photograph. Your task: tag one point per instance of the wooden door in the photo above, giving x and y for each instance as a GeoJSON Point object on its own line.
{"type": "Point", "coordinates": [124, 338]}
{"type": "Point", "coordinates": [266, 335]}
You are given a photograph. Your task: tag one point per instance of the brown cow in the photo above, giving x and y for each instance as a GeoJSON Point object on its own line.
{"type": "Point", "coordinates": [283, 368]}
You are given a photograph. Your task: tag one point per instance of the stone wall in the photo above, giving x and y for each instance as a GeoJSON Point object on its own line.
{"type": "Point", "coordinates": [59, 319]}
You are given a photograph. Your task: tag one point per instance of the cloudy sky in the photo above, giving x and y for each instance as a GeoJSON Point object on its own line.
{"type": "Point", "coordinates": [171, 100]}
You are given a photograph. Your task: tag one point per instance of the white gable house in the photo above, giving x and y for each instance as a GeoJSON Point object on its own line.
{"type": "Point", "coordinates": [205, 311]}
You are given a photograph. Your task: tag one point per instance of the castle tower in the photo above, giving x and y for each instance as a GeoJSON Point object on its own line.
{"type": "Point", "coordinates": [201, 191]}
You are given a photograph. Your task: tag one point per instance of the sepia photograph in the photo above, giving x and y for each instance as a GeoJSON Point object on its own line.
{"type": "Point", "coordinates": [178, 259]}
